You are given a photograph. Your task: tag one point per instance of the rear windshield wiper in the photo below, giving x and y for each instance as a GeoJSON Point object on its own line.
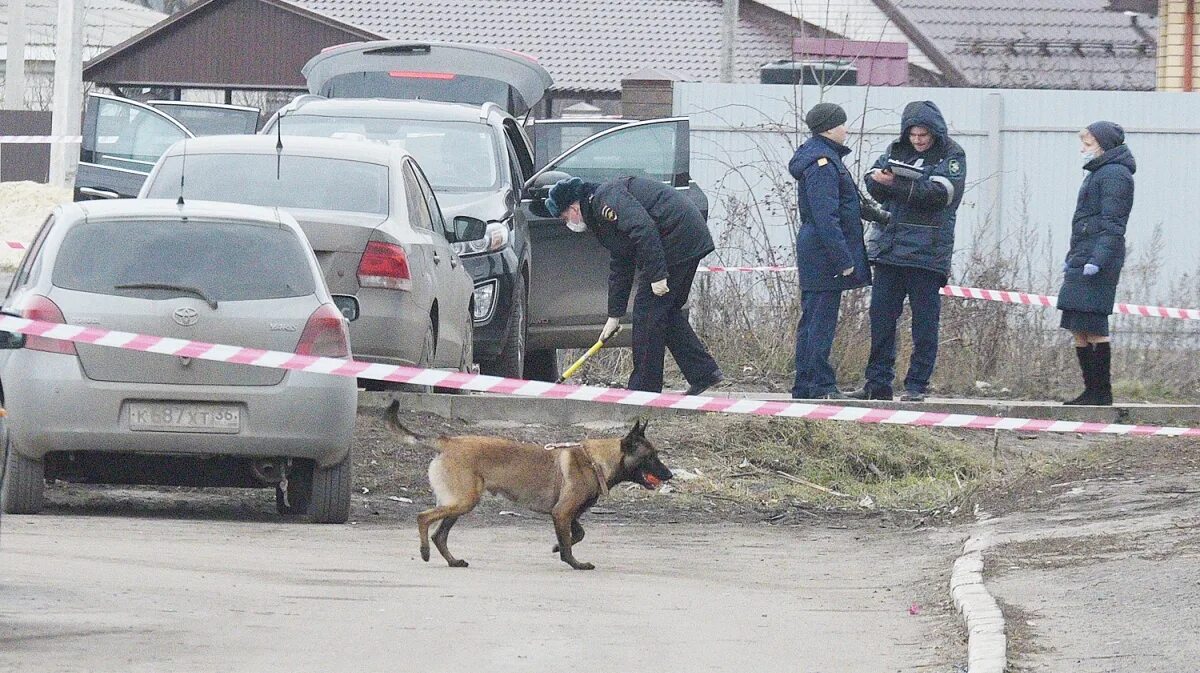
{"type": "Point", "coordinates": [212, 303]}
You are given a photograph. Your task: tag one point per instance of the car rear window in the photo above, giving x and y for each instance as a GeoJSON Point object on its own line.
{"type": "Point", "coordinates": [455, 156]}
{"type": "Point", "coordinates": [223, 260]}
{"type": "Point", "coordinates": [287, 181]}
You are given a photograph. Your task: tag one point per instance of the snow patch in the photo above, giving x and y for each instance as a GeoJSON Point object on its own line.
{"type": "Point", "coordinates": [23, 208]}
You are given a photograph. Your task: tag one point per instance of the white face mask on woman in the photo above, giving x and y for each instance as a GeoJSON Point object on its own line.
{"type": "Point", "coordinates": [1087, 156]}
{"type": "Point", "coordinates": [573, 218]}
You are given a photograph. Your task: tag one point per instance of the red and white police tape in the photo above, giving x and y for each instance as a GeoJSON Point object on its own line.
{"type": "Point", "coordinates": [493, 384]}
{"type": "Point", "coordinates": [1005, 296]}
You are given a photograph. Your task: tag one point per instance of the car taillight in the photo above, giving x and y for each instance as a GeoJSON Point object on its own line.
{"type": "Point", "coordinates": [41, 308]}
{"type": "Point", "coordinates": [325, 334]}
{"type": "Point", "coordinates": [384, 265]}
{"type": "Point", "coordinates": [413, 74]}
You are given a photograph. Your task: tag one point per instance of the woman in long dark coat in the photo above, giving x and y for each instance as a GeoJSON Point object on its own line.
{"type": "Point", "coordinates": [1093, 265]}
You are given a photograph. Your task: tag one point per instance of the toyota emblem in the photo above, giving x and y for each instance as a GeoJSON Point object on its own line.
{"type": "Point", "coordinates": [185, 316]}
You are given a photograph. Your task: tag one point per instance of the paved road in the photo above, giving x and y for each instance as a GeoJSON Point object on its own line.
{"type": "Point", "coordinates": [100, 592]}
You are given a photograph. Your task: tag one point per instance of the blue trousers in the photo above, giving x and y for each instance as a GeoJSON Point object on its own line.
{"type": "Point", "coordinates": [892, 284]}
{"type": "Point", "coordinates": [814, 341]}
{"type": "Point", "coordinates": [659, 324]}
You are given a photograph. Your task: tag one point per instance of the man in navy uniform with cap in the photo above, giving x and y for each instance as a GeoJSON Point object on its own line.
{"type": "Point", "coordinates": [829, 246]}
{"type": "Point", "coordinates": [650, 229]}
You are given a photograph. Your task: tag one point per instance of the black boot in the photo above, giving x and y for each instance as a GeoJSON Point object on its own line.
{"type": "Point", "coordinates": [1102, 373]}
{"type": "Point", "coordinates": [1087, 359]}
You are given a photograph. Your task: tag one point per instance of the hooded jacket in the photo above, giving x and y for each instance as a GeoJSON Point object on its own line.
{"type": "Point", "coordinates": [647, 227]}
{"type": "Point", "coordinates": [1098, 232]}
{"type": "Point", "coordinates": [830, 238]}
{"type": "Point", "coordinates": [921, 233]}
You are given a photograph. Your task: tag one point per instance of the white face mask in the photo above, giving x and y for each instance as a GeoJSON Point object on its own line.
{"type": "Point", "coordinates": [577, 226]}
{"type": "Point", "coordinates": [1087, 156]}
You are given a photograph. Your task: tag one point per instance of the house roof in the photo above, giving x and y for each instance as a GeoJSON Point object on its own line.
{"type": "Point", "coordinates": [1038, 44]}
{"type": "Point", "coordinates": [586, 44]}
{"type": "Point", "coordinates": [859, 20]}
{"type": "Point", "coordinates": [105, 23]}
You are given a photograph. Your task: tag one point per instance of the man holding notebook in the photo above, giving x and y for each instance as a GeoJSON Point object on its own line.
{"type": "Point", "coordinates": [919, 180]}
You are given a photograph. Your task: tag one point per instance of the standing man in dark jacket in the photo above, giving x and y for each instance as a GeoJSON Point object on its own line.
{"type": "Point", "coordinates": [829, 246]}
{"type": "Point", "coordinates": [1093, 264]}
{"type": "Point", "coordinates": [911, 255]}
{"type": "Point", "coordinates": [649, 228]}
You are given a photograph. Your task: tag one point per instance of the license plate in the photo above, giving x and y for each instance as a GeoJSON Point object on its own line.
{"type": "Point", "coordinates": [184, 417]}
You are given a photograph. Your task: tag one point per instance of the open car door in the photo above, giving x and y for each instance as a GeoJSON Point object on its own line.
{"type": "Point", "coordinates": [211, 119]}
{"type": "Point", "coordinates": [568, 294]}
{"type": "Point", "coordinates": [122, 139]}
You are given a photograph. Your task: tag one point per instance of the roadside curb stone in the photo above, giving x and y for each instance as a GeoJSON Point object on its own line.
{"type": "Point", "coordinates": [986, 642]}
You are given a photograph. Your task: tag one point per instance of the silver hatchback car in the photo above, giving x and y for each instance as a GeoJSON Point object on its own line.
{"type": "Point", "coordinates": [212, 272]}
{"type": "Point", "coordinates": [373, 221]}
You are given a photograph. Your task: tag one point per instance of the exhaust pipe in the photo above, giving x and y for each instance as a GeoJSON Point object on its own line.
{"type": "Point", "coordinates": [270, 470]}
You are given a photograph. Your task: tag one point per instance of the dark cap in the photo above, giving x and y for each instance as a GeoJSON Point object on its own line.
{"type": "Point", "coordinates": [825, 116]}
{"type": "Point", "coordinates": [1107, 134]}
{"type": "Point", "coordinates": [562, 194]}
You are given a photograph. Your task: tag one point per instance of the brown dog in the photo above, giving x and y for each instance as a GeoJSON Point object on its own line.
{"type": "Point", "coordinates": [563, 481]}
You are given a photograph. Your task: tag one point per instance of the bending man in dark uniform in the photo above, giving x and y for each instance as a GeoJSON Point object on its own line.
{"type": "Point", "coordinates": [649, 228]}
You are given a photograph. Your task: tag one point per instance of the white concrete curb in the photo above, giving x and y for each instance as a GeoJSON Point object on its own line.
{"type": "Point", "coordinates": [986, 643]}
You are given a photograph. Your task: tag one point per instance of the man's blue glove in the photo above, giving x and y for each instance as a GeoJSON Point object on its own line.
{"type": "Point", "coordinates": [1090, 269]}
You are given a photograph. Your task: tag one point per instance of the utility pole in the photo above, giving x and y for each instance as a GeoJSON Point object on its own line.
{"type": "Point", "coordinates": [68, 92]}
{"type": "Point", "coordinates": [14, 70]}
{"type": "Point", "coordinates": [729, 22]}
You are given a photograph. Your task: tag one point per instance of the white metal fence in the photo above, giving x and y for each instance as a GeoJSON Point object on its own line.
{"type": "Point", "coordinates": [1023, 165]}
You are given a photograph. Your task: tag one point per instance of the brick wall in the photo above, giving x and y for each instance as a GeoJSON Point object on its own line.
{"type": "Point", "coordinates": [1172, 33]}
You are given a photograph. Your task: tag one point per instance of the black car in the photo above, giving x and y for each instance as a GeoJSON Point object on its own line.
{"type": "Point", "coordinates": [538, 287]}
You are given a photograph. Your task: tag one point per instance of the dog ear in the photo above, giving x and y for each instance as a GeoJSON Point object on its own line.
{"type": "Point", "coordinates": [636, 430]}
{"type": "Point", "coordinates": [645, 425]}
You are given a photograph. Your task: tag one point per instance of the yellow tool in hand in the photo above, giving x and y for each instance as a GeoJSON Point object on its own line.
{"type": "Point", "coordinates": [590, 352]}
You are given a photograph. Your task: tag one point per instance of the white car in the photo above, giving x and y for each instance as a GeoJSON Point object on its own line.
{"type": "Point", "coordinates": [201, 271]}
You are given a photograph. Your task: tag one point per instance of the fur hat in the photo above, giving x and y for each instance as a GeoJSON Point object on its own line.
{"type": "Point", "coordinates": [563, 194]}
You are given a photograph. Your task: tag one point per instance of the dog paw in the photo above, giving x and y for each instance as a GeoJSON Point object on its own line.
{"type": "Point", "coordinates": [555, 550]}
{"type": "Point", "coordinates": [425, 554]}
{"type": "Point", "coordinates": [458, 563]}
{"type": "Point", "coordinates": [584, 566]}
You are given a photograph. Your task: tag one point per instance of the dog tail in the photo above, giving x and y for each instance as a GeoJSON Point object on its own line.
{"type": "Point", "coordinates": [391, 419]}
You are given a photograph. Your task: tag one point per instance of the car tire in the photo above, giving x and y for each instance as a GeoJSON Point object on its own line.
{"type": "Point", "coordinates": [299, 492]}
{"type": "Point", "coordinates": [24, 483]}
{"type": "Point", "coordinates": [330, 499]}
{"type": "Point", "coordinates": [542, 365]}
{"type": "Point", "coordinates": [510, 363]}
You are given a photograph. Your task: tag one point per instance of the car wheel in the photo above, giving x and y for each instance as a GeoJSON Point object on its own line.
{"type": "Point", "coordinates": [542, 365]}
{"type": "Point", "coordinates": [24, 483]}
{"type": "Point", "coordinates": [510, 363]}
{"type": "Point", "coordinates": [299, 492]}
{"type": "Point", "coordinates": [330, 501]}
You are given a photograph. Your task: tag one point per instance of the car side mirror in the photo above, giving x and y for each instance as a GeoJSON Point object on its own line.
{"type": "Point", "coordinates": [348, 305]}
{"type": "Point", "coordinates": [464, 229]}
{"type": "Point", "coordinates": [11, 340]}
{"type": "Point", "coordinates": [541, 182]}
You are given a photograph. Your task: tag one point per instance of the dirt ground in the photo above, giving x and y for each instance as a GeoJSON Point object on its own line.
{"type": "Point", "coordinates": [735, 566]}
{"type": "Point", "coordinates": [1096, 570]}
{"type": "Point", "coordinates": [122, 578]}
